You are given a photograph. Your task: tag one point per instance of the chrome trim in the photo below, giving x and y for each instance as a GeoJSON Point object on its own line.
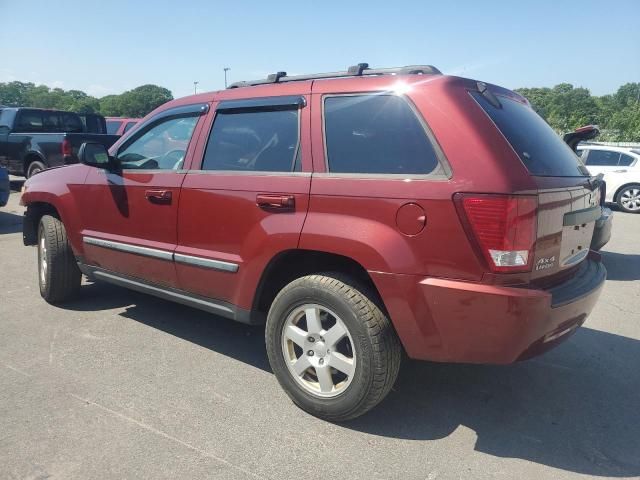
{"type": "Point", "coordinates": [163, 255]}
{"type": "Point", "coordinates": [206, 263]}
{"type": "Point", "coordinates": [127, 248]}
{"type": "Point", "coordinates": [254, 173]}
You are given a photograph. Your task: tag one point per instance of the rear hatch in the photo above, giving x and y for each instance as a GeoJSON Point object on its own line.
{"type": "Point", "coordinates": [568, 198]}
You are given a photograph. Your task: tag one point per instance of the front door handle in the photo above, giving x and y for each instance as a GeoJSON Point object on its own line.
{"type": "Point", "coordinates": [279, 202]}
{"type": "Point", "coordinates": [158, 196]}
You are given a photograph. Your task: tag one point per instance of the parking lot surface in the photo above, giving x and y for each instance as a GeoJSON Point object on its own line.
{"type": "Point", "coordinates": [121, 385]}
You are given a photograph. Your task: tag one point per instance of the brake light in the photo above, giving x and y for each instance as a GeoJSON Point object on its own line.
{"type": "Point", "coordinates": [504, 227]}
{"type": "Point", "coordinates": [67, 151]}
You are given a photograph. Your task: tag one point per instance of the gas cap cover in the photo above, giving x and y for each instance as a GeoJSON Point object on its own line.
{"type": "Point", "coordinates": [411, 219]}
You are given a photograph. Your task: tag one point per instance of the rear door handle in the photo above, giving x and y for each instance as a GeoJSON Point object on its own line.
{"type": "Point", "coordinates": [619, 171]}
{"type": "Point", "coordinates": [278, 202]}
{"type": "Point", "coordinates": [158, 196]}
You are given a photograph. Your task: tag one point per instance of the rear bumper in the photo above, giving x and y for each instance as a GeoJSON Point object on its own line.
{"type": "Point", "coordinates": [602, 230]}
{"type": "Point", "coordinates": [456, 321]}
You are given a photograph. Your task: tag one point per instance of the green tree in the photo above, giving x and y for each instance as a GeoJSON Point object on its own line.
{"type": "Point", "coordinates": [142, 100]}
{"type": "Point", "coordinates": [110, 106]}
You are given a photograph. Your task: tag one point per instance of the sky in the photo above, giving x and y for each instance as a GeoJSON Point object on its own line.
{"type": "Point", "coordinates": [111, 46]}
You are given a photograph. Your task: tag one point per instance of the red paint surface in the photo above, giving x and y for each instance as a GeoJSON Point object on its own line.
{"type": "Point", "coordinates": [441, 297]}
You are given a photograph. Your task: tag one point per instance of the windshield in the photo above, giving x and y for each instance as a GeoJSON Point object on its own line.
{"type": "Point", "coordinates": [541, 150]}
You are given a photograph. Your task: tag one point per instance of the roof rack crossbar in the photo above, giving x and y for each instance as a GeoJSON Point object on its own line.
{"type": "Point", "coordinates": [361, 69]}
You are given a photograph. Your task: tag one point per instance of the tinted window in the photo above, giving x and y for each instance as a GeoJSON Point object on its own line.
{"type": "Point", "coordinates": [603, 158]}
{"type": "Point", "coordinates": [29, 121]}
{"type": "Point", "coordinates": [376, 134]}
{"type": "Point", "coordinates": [113, 126]}
{"type": "Point", "coordinates": [626, 160]}
{"type": "Point", "coordinates": [542, 151]}
{"type": "Point", "coordinates": [262, 141]}
{"type": "Point", "coordinates": [129, 126]}
{"type": "Point", "coordinates": [51, 122]}
{"type": "Point", "coordinates": [163, 146]}
{"type": "Point", "coordinates": [71, 122]}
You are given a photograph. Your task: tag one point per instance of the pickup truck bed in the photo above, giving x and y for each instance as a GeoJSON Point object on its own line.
{"type": "Point", "coordinates": [23, 143]}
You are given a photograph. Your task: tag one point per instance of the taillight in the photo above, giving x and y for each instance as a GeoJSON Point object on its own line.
{"type": "Point", "coordinates": [67, 151]}
{"type": "Point", "coordinates": [504, 227]}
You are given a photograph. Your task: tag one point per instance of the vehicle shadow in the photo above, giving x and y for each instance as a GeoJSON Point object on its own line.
{"type": "Point", "coordinates": [233, 339]}
{"type": "Point", "coordinates": [621, 266]}
{"type": "Point", "coordinates": [577, 408]}
{"type": "Point", "coordinates": [10, 222]}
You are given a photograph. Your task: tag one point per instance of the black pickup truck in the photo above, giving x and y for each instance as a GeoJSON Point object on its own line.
{"type": "Point", "coordinates": [32, 139]}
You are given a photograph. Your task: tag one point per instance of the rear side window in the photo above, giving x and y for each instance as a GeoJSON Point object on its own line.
{"type": "Point", "coordinates": [603, 158]}
{"type": "Point", "coordinates": [113, 126]}
{"type": "Point", "coordinates": [626, 160]}
{"type": "Point", "coordinates": [376, 134]}
{"type": "Point", "coordinates": [259, 140]}
{"type": "Point", "coordinates": [541, 150]}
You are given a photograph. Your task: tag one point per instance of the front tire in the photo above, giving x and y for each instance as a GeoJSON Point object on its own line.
{"type": "Point", "coordinates": [629, 199]}
{"type": "Point", "coordinates": [35, 167]}
{"type": "Point", "coordinates": [332, 349]}
{"type": "Point", "coordinates": [58, 273]}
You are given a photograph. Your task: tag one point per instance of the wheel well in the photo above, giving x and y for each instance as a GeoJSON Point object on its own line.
{"type": "Point", "coordinates": [615, 196]}
{"type": "Point", "coordinates": [287, 266]}
{"type": "Point", "coordinates": [30, 158]}
{"type": "Point", "coordinates": [35, 211]}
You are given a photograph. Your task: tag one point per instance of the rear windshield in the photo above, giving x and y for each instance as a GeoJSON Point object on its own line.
{"type": "Point", "coordinates": [113, 126]}
{"type": "Point", "coordinates": [542, 151]}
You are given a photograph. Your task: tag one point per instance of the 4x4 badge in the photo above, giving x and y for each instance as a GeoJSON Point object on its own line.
{"type": "Point", "coordinates": [545, 262]}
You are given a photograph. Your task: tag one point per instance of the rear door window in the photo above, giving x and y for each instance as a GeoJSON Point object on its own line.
{"type": "Point", "coordinates": [51, 122]}
{"type": "Point", "coordinates": [541, 150]}
{"type": "Point", "coordinates": [260, 141]}
{"type": "Point", "coordinates": [71, 123]}
{"type": "Point", "coordinates": [376, 134]}
{"type": "Point", "coordinates": [603, 158]}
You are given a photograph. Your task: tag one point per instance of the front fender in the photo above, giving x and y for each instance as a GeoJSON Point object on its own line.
{"type": "Point", "coordinates": [59, 189]}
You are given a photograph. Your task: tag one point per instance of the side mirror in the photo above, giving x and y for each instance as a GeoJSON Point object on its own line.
{"type": "Point", "coordinates": [96, 155]}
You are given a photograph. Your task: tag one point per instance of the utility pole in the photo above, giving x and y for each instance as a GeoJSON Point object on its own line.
{"type": "Point", "coordinates": [226, 69]}
{"type": "Point", "coordinates": [195, 87]}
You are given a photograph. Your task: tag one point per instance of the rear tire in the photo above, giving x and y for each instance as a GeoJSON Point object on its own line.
{"type": "Point", "coordinates": [343, 345]}
{"type": "Point", "coordinates": [628, 199]}
{"type": "Point", "coordinates": [35, 167]}
{"type": "Point", "coordinates": [58, 273]}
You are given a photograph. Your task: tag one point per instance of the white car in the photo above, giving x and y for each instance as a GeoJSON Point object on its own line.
{"type": "Point", "coordinates": [621, 169]}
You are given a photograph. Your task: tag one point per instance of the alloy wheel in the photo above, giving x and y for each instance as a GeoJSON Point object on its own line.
{"type": "Point", "coordinates": [318, 350]}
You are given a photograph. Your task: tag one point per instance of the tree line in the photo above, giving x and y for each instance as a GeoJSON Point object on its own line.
{"type": "Point", "coordinates": [564, 106]}
{"type": "Point", "coordinates": [134, 103]}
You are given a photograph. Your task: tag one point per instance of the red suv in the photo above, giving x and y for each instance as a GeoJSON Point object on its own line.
{"type": "Point", "coordinates": [360, 213]}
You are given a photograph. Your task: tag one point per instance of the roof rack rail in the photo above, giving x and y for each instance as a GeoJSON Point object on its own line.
{"type": "Point", "coordinates": [361, 69]}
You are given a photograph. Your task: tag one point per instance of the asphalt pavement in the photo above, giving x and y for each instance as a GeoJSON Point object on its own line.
{"type": "Point", "coordinates": [121, 385]}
